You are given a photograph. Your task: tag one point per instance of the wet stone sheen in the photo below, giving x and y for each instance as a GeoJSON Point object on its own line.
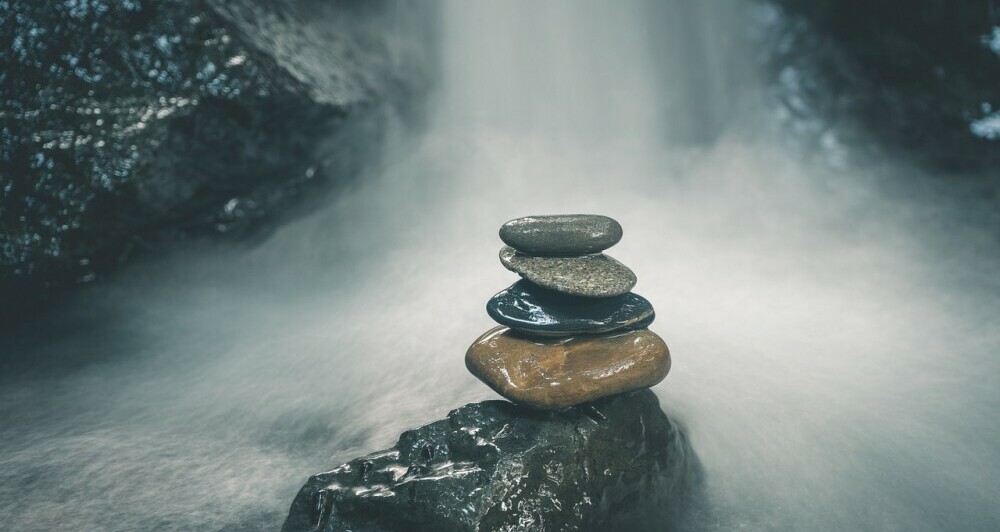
{"type": "Point", "coordinates": [614, 464]}
{"type": "Point", "coordinates": [562, 234]}
{"type": "Point", "coordinates": [531, 309]}
{"type": "Point", "coordinates": [561, 372]}
{"type": "Point", "coordinates": [588, 276]}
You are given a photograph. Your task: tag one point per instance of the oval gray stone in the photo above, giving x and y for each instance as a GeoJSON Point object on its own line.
{"type": "Point", "coordinates": [561, 234]}
{"type": "Point", "coordinates": [589, 275]}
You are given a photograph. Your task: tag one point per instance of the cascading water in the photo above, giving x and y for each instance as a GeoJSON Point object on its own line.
{"type": "Point", "coordinates": [833, 334]}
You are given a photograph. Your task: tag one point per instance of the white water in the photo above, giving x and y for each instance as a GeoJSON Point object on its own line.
{"type": "Point", "coordinates": [834, 332]}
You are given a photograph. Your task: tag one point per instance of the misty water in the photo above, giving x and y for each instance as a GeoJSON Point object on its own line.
{"type": "Point", "coordinates": [833, 325]}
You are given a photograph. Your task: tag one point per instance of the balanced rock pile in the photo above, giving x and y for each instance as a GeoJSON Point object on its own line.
{"type": "Point", "coordinates": [571, 331]}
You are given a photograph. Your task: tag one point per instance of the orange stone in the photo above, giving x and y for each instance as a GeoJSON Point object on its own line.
{"type": "Point", "coordinates": [553, 373]}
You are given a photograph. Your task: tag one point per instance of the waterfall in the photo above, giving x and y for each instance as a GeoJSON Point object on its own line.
{"type": "Point", "coordinates": [833, 329]}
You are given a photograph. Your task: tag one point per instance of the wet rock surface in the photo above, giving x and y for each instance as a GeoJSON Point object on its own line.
{"type": "Point", "coordinates": [561, 234]}
{"type": "Point", "coordinates": [127, 124]}
{"type": "Point", "coordinates": [595, 275]}
{"type": "Point", "coordinates": [554, 373]}
{"type": "Point", "coordinates": [495, 466]}
{"type": "Point", "coordinates": [914, 78]}
{"type": "Point", "coordinates": [530, 308]}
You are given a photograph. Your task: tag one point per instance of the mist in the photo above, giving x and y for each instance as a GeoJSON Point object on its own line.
{"type": "Point", "coordinates": [832, 321]}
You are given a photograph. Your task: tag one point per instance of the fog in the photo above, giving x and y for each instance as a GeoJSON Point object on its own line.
{"type": "Point", "coordinates": [833, 326]}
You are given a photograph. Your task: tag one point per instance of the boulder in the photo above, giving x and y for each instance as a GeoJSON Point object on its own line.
{"type": "Point", "coordinates": [533, 310]}
{"type": "Point", "coordinates": [125, 124]}
{"type": "Point", "coordinates": [916, 78]}
{"type": "Point", "coordinates": [495, 466]}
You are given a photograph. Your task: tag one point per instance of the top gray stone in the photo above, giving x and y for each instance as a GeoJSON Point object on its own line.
{"type": "Point", "coordinates": [561, 235]}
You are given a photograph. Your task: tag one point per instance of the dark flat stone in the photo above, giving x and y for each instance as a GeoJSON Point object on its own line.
{"type": "Point", "coordinates": [561, 234]}
{"type": "Point", "coordinates": [589, 275]}
{"type": "Point", "coordinates": [529, 308]}
{"type": "Point", "coordinates": [614, 464]}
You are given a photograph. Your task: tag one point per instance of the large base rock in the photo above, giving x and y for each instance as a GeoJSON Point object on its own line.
{"type": "Point", "coordinates": [497, 466]}
{"type": "Point", "coordinates": [918, 78]}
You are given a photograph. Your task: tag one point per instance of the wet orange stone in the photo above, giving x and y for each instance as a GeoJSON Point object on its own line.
{"type": "Point", "coordinates": [555, 373]}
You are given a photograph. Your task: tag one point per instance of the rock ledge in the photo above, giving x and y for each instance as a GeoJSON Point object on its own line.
{"type": "Point", "coordinates": [494, 466]}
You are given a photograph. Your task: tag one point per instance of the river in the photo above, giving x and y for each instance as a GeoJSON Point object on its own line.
{"type": "Point", "coordinates": [833, 325]}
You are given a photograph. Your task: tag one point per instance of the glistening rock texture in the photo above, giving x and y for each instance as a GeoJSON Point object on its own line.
{"type": "Point", "coordinates": [494, 466]}
{"type": "Point", "coordinates": [534, 310]}
{"type": "Point", "coordinates": [918, 76]}
{"type": "Point", "coordinates": [553, 373]}
{"type": "Point", "coordinates": [561, 234]}
{"type": "Point", "coordinates": [124, 122]}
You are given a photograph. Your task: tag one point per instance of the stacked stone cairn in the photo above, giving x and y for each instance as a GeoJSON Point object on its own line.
{"type": "Point", "coordinates": [571, 330]}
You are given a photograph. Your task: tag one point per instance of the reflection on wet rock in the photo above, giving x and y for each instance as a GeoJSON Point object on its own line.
{"type": "Point", "coordinates": [561, 234]}
{"type": "Point", "coordinates": [559, 372]}
{"type": "Point", "coordinates": [532, 309]}
{"type": "Point", "coordinates": [494, 466]}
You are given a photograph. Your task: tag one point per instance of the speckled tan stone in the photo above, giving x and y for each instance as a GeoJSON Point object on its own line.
{"type": "Point", "coordinates": [558, 373]}
{"type": "Point", "coordinates": [589, 275]}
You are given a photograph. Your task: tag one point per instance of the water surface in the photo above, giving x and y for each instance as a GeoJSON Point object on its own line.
{"type": "Point", "coordinates": [834, 329]}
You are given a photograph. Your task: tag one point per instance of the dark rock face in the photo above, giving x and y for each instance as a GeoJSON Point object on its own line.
{"type": "Point", "coordinates": [529, 308]}
{"type": "Point", "coordinates": [495, 466]}
{"type": "Point", "coordinates": [920, 76]}
{"type": "Point", "coordinates": [126, 121]}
